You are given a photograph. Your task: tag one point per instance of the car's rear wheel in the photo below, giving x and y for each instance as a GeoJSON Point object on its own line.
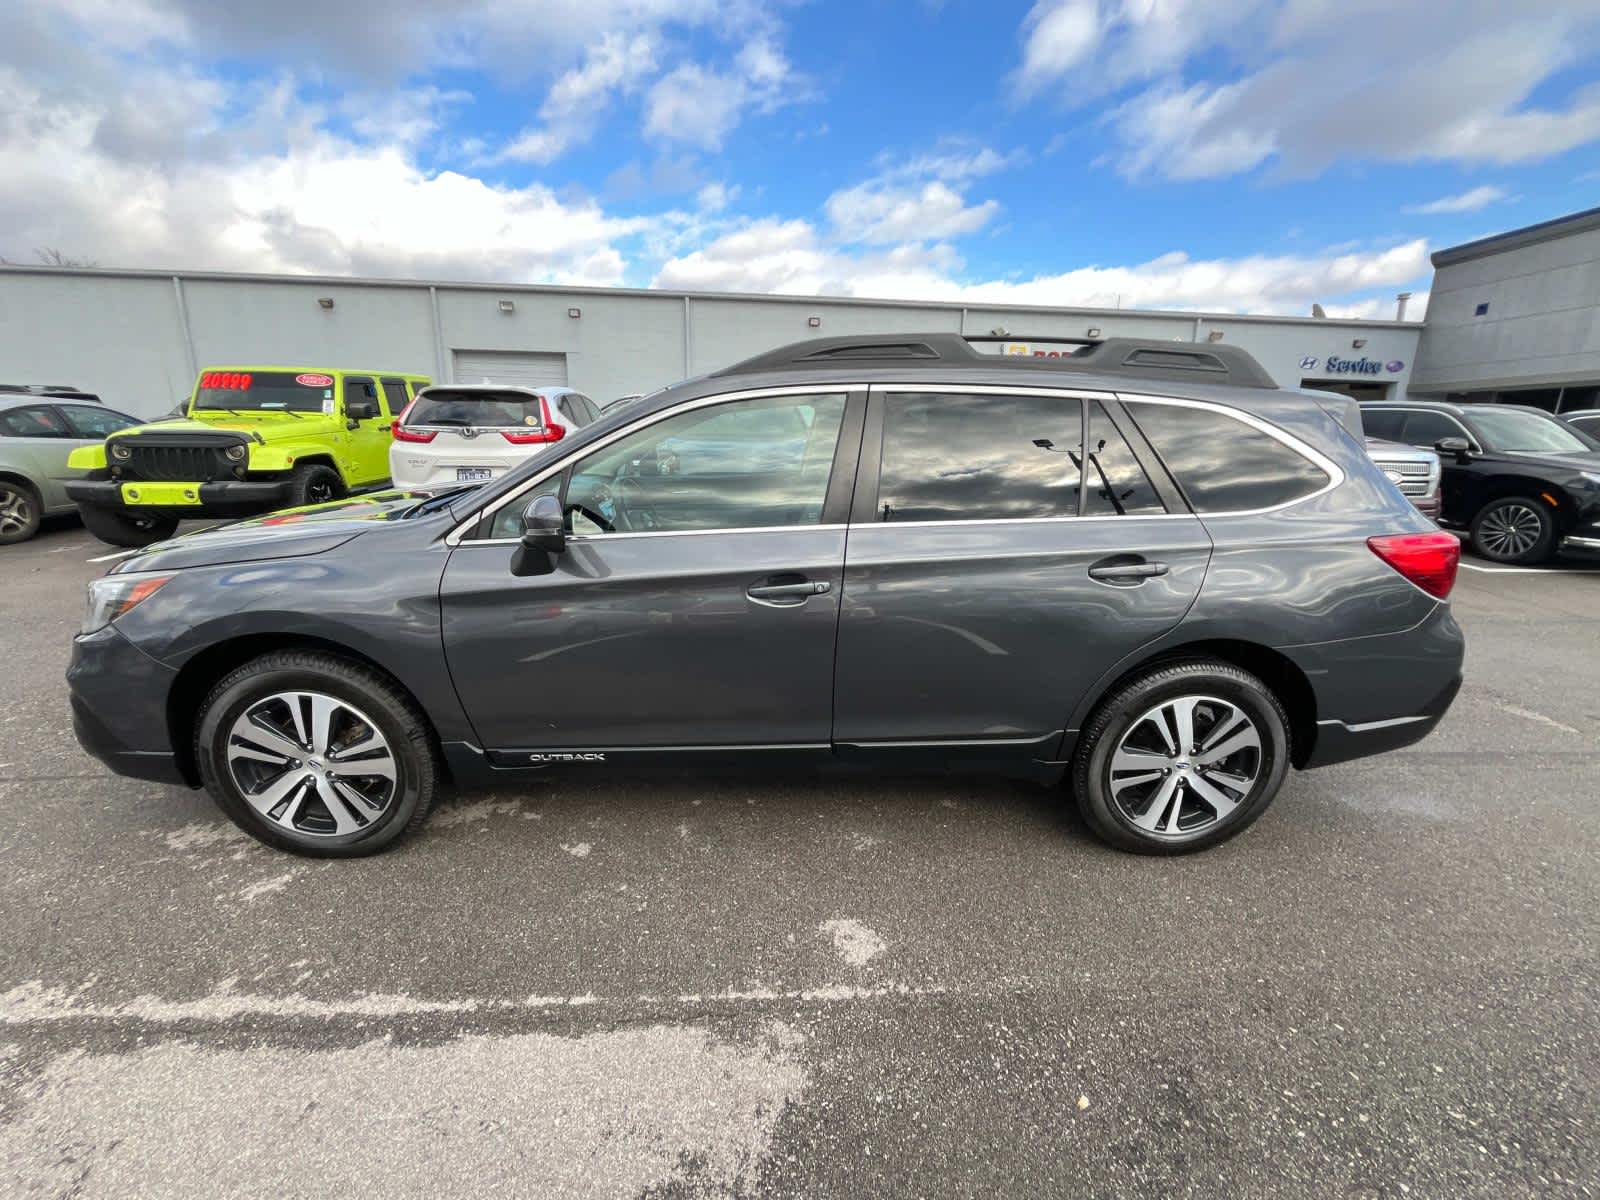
{"type": "Point", "coordinates": [20, 511]}
{"type": "Point", "coordinates": [119, 528]}
{"type": "Point", "coordinates": [1514, 530]}
{"type": "Point", "coordinates": [315, 483]}
{"type": "Point", "coordinates": [316, 754]}
{"type": "Point", "coordinates": [1180, 758]}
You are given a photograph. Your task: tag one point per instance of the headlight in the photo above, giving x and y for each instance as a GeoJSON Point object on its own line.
{"type": "Point", "coordinates": [120, 452]}
{"type": "Point", "coordinates": [114, 595]}
{"type": "Point", "coordinates": [236, 453]}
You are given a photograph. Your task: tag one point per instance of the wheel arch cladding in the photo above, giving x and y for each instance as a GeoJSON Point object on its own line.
{"type": "Point", "coordinates": [1532, 488]}
{"type": "Point", "coordinates": [1279, 673]}
{"type": "Point", "coordinates": [201, 673]}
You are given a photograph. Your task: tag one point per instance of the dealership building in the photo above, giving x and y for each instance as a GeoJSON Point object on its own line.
{"type": "Point", "coordinates": [1514, 317]}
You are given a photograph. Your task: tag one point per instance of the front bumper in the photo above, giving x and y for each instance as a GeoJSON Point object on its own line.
{"type": "Point", "coordinates": [119, 706]}
{"type": "Point", "coordinates": [222, 498]}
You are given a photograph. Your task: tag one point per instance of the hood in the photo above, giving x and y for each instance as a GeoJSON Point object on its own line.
{"type": "Point", "coordinates": [292, 533]}
{"type": "Point", "coordinates": [1583, 460]}
{"type": "Point", "coordinates": [266, 427]}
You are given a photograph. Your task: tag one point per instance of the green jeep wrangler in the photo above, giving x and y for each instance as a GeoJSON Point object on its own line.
{"type": "Point", "coordinates": [254, 439]}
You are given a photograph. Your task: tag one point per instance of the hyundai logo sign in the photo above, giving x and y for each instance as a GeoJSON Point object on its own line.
{"type": "Point", "coordinates": [1353, 366]}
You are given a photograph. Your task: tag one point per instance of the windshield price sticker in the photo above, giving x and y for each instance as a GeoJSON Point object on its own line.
{"type": "Point", "coordinates": [311, 380]}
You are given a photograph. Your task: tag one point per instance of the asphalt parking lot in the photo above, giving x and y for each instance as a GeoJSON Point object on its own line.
{"type": "Point", "coordinates": [673, 985]}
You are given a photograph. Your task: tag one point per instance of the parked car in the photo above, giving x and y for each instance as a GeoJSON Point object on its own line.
{"type": "Point", "coordinates": [1522, 483]}
{"type": "Point", "coordinates": [255, 439]}
{"type": "Point", "coordinates": [468, 432]}
{"type": "Point", "coordinates": [1091, 565]}
{"type": "Point", "coordinates": [1586, 421]}
{"type": "Point", "coordinates": [38, 431]}
{"type": "Point", "coordinates": [1415, 470]}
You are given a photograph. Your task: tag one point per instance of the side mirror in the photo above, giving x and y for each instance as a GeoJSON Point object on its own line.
{"type": "Point", "coordinates": [1453, 447]}
{"type": "Point", "coordinates": [544, 535]}
{"type": "Point", "coordinates": [361, 410]}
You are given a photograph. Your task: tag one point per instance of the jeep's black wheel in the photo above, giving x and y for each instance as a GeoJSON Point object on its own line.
{"type": "Point", "coordinates": [316, 754]}
{"type": "Point", "coordinates": [119, 528]}
{"type": "Point", "coordinates": [315, 483]}
{"type": "Point", "coordinates": [20, 511]}
{"type": "Point", "coordinates": [1181, 758]}
{"type": "Point", "coordinates": [1514, 530]}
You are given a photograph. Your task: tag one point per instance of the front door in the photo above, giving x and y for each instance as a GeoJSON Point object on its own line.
{"type": "Point", "coordinates": [368, 442]}
{"type": "Point", "coordinates": [696, 602]}
{"type": "Point", "coordinates": [995, 571]}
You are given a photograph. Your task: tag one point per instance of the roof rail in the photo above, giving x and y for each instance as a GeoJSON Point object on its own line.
{"type": "Point", "coordinates": [1135, 358]}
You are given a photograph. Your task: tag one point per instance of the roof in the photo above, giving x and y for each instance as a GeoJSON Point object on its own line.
{"type": "Point", "coordinates": [321, 369]}
{"type": "Point", "coordinates": [1517, 239]}
{"type": "Point", "coordinates": [983, 309]}
{"type": "Point", "coordinates": [550, 389]}
{"type": "Point", "coordinates": [1141, 359]}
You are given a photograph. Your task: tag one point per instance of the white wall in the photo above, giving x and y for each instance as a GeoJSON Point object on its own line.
{"type": "Point", "coordinates": [120, 333]}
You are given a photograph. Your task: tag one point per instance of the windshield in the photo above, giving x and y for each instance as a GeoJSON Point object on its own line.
{"type": "Point", "coordinates": [1512, 431]}
{"type": "Point", "coordinates": [479, 410]}
{"type": "Point", "coordinates": [264, 391]}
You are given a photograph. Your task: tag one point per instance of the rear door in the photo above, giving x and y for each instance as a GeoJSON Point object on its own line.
{"type": "Point", "coordinates": [995, 571]}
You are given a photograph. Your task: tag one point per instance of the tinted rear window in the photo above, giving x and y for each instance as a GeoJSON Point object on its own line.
{"type": "Point", "coordinates": [980, 457]}
{"type": "Point", "coordinates": [1224, 465]}
{"type": "Point", "coordinates": [481, 410]}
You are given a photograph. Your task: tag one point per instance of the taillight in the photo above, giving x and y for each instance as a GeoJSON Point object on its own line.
{"type": "Point", "coordinates": [1428, 560]}
{"type": "Point", "coordinates": [551, 433]}
{"type": "Point", "coordinates": [533, 437]}
{"type": "Point", "coordinates": [402, 434]}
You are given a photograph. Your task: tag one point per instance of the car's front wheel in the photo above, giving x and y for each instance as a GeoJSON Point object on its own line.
{"type": "Point", "coordinates": [119, 528]}
{"type": "Point", "coordinates": [1181, 757]}
{"type": "Point", "coordinates": [316, 754]}
{"type": "Point", "coordinates": [1514, 530]}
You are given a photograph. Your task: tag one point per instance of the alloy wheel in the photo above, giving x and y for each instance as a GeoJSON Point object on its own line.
{"type": "Point", "coordinates": [1185, 765]}
{"type": "Point", "coordinates": [16, 511]}
{"type": "Point", "coordinates": [319, 493]}
{"type": "Point", "coordinates": [312, 764]}
{"type": "Point", "coordinates": [1510, 530]}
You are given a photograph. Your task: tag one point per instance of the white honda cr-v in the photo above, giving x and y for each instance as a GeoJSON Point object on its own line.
{"type": "Point", "coordinates": [461, 432]}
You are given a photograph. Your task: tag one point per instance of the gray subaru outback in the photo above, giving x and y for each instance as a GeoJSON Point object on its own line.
{"type": "Point", "coordinates": [1136, 567]}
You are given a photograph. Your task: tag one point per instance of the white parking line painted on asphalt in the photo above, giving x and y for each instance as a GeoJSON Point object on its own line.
{"type": "Point", "coordinates": [1466, 566]}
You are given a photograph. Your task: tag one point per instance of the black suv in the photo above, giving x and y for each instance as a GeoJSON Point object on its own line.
{"type": "Point", "coordinates": [1136, 564]}
{"type": "Point", "coordinates": [1522, 482]}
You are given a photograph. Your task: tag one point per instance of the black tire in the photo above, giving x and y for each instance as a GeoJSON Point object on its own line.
{"type": "Point", "coordinates": [118, 528]}
{"type": "Point", "coordinates": [391, 711]}
{"type": "Point", "coordinates": [315, 483]}
{"type": "Point", "coordinates": [1516, 530]}
{"type": "Point", "coordinates": [20, 512]}
{"type": "Point", "coordinates": [1213, 686]}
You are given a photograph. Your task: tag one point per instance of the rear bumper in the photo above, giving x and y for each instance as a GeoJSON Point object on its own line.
{"type": "Point", "coordinates": [119, 706]}
{"type": "Point", "coordinates": [222, 498]}
{"type": "Point", "coordinates": [1428, 506]}
{"type": "Point", "coordinates": [1376, 694]}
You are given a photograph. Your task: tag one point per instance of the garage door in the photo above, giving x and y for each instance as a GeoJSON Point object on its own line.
{"type": "Point", "coordinates": [500, 366]}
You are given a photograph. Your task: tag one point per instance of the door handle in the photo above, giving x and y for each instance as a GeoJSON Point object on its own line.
{"type": "Point", "coordinates": [788, 593]}
{"type": "Point", "coordinates": [1125, 573]}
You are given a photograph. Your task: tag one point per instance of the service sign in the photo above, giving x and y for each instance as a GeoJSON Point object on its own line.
{"type": "Point", "coordinates": [1352, 366]}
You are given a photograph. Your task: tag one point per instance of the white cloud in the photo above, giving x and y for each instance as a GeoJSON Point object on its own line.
{"type": "Point", "coordinates": [795, 257]}
{"type": "Point", "coordinates": [868, 213]}
{"type": "Point", "coordinates": [576, 101]}
{"type": "Point", "coordinates": [1468, 201]}
{"type": "Point", "coordinates": [701, 105]}
{"type": "Point", "coordinates": [1310, 83]}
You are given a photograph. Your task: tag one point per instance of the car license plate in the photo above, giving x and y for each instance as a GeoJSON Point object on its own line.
{"type": "Point", "coordinates": [164, 494]}
{"type": "Point", "coordinates": [468, 474]}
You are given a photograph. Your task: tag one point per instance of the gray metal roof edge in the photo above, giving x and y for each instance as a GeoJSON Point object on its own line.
{"type": "Point", "coordinates": [677, 295]}
{"type": "Point", "coordinates": [1516, 239]}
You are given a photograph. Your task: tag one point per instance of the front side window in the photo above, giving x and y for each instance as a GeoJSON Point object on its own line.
{"type": "Point", "coordinates": [358, 391]}
{"type": "Point", "coordinates": [88, 421]}
{"type": "Point", "coordinates": [1223, 464]}
{"type": "Point", "coordinates": [1513, 431]}
{"type": "Point", "coordinates": [747, 464]}
{"type": "Point", "coordinates": [979, 457]}
{"type": "Point", "coordinates": [36, 421]}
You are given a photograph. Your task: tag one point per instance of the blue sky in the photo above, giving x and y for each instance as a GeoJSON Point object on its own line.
{"type": "Point", "coordinates": [1236, 155]}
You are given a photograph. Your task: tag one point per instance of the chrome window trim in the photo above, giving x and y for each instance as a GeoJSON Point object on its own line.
{"type": "Point", "coordinates": [1315, 457]}
{"type": "Point", "coordinates": [454, 537]}
{"type": "Point", "coordinates": [580, 539]}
